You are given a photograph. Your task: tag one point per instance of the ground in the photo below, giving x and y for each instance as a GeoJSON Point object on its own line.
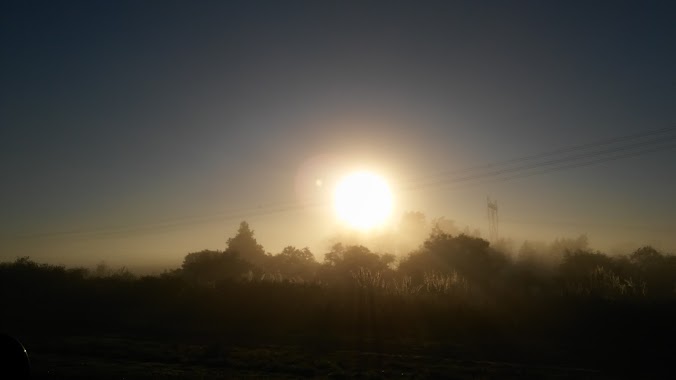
{"type": "Point", "coordinates": [116, 357]}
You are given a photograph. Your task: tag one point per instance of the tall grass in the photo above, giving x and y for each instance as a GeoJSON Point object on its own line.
{"type": "Point", "coordinates": [432, 283]}
{"type": "Point", "coordinates": [603, 282]}
{"type": "Point", "coordinates": [445, 283]}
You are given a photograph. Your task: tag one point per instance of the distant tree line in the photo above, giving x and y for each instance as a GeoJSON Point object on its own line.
{"type": "Point", "coordinates": [472, 261]}
{"type": "Point", "coordinates": [564, 268]}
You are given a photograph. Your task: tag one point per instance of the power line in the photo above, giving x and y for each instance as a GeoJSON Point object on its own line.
{"type": "Point", "coordinates": [292, 207]}
{"type": "Point", "coordinates": [556, 152]}
{"type": "Point", "coordinates": [568, 166]}
{"type": "Point", "coordinates": [521, 171]}
{"type": "Point", "coordinates": [505, 170]}
{"type": "Point", "coordinates": [295, 206]}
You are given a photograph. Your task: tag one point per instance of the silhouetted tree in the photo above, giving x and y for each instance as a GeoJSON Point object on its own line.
{"type": "Point", "coordinates": [342, 262]}
{"type": "Point", "coordinates": [469, 256]}
{"type": "Point", "coordinates": [209, 267]}
{"type": "Point", "coordinates": [558, 248]}
{"type": "Point", "coordinates": [582, 263]}
{"type": "Point", "coordinates": [656, 269]}
{"type": "Point", "coordinates": [294, 263]}
{"type": "Point", "coordinates": [246, 245]}
{"type": "Point", "coordinates": [353, 257]}
{"type": "Point", "coordinates": [291, 254]}
{"type": "Point", "coordinates": [646, 257]}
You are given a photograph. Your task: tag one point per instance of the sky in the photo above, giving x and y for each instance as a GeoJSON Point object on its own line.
{"type": "Point", "coordinates": [137, 132]}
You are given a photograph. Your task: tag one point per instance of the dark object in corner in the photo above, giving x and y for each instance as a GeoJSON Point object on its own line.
{"type": "Point", "coordinates": [14, 363]}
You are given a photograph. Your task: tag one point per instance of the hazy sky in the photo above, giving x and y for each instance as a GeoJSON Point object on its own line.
{"type": "Point", "coordinates": [136, 132]}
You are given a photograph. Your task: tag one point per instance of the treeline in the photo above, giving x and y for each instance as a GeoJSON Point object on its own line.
{"type": "Point", "coordinates": [453, 290]}
{"type": "Point", "coordinates": [445, 263]}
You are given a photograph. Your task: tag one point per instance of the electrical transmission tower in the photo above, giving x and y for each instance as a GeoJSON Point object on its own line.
{"type": "Point", "coordinates": [492, 220]}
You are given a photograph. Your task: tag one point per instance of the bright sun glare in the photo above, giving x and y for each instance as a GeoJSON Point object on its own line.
{"type": "Point", "coordinates": [363, 200]}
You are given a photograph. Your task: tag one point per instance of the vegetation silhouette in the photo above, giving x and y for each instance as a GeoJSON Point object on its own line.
{"type": "Point", "coordinates": [455, 295]}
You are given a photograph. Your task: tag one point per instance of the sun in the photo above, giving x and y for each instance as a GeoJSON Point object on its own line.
{"type": "Point", "coordinates": [363, 200]}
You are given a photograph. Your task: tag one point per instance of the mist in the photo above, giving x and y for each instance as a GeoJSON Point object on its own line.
{"type": "Point", "coordinates": [352, 189]}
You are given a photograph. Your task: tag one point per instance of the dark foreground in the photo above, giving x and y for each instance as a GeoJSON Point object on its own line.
{"type": "Point", "coordinates": [82, 357]}
{"type": "Point", "coordinates": [591, 316]}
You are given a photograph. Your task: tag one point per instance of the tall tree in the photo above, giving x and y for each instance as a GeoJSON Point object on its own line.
{"type": "Point", "coordinates": [245, 244]}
